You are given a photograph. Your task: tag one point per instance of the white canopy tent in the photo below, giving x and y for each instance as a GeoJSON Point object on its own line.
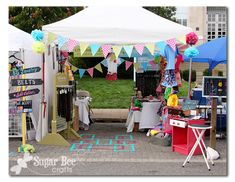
{"type": "Point", "coordinates": [109, 25]}
{"type": "Point", "coordinates": [20, 44]}
{"type": "Point", "coordinates": [117, 25]}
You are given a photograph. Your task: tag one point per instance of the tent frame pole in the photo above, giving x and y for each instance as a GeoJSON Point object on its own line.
{"type": "Point", "coordinates": [189, 79]}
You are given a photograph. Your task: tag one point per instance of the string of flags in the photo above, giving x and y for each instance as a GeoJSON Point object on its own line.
{"type": "Point", "coordinates": [128, 64]}
{"type": "Point", "coordinates": [79, 48]}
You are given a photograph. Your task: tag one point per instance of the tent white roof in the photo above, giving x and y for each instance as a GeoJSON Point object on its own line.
{"type": "Point", "coordinates": [18, 39]}
{"type": "Point", "coordinates": [117, 25]}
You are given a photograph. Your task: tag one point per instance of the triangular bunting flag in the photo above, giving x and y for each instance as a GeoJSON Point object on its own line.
{"type": "Point", "coordinates": [128, 50]}
{"type": "Point", "coordinates": [106, 49]}
{"type": "Point", "coordinates": [172, 43]}
{"type": "Point", "coordinates": [83, 47]}
{"type": "Point", "coordinates": [74, 69]}
{"type": "Point", "coordinates": [72, 44]}
{"type": "Point", "coordinates": [117, 50]}
{"type": "Point", "coordinates": [150, 47]}
{"type": "Point", "coordinates": [137, 66]}
{"type": "Point", "coordinates": [99, 68]}
{"type": "Point", "coordinates": [152, 64]}
{"type": "Point", "coordinates": [120, 61]}
{"type": "Point", "coordinates": [139, 48]}
{"type": "Point", "coordinates": [128, 64]}
{"type": "Point", "coordinates": [104, 62]}
{"type": "Point", "coordinates": [144, 65]}
{"type": "Point", "coordinates": [94, 48]}
{"type": "Point", "coordinates": [161, 46]}
{"type": "Point", "coordinates": [61, 41]}
{"type": "Point", "coordinates": [51, 37]}
{"type": "Point", "coordinates": [90, 71]}
{"type": "Point", "coordinates": [182, 39]}
{"type": "Point", "coordinates": [81, 72]}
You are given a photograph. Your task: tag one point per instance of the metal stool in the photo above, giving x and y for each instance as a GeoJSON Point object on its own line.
{"type": "Point", "coordinates": [199, 131]}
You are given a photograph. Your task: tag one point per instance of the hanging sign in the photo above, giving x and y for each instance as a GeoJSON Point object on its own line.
{"type": "Point", "coordinates": [24, 106]}
{"type": "Point", "coordinates": [189, 104]}
{"type": "Point", "coordinates": [16, 95]}
{"type": "Point", "coordinates": [25, 82]}
{"type": "Point", "coordinates": [20, 71]}
{"type": "Point", "coordinates": [214, 86]}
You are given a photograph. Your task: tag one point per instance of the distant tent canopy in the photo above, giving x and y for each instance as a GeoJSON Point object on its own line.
{"type": "Point", "coordinates": [213, 53]}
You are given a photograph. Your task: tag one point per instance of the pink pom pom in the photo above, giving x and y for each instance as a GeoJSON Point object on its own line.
{"type": "Point", "coordinates": [191, 38]}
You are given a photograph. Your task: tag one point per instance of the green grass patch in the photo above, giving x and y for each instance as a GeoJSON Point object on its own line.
{"type": "Point", "coordinates": [114, 94]}
{"type": "Point", "coordinates": [108, 94]}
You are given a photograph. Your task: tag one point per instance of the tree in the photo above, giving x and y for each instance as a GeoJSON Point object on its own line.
{"type": "Point", "coordinates": [167, 12]}
{"type": "Point", "coordinates": [30, 18]}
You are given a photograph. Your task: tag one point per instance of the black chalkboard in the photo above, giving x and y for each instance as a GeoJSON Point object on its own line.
{"type": "Point", "coordinates": [214, 86]}
{"type": "Point", "coordinates": [189, 104]}
{"type": "Point", "coordinates": [25, 82]}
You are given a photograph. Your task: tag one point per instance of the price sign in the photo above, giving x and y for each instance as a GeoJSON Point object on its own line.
{"type": "Point", "coordinates": [25, 82]}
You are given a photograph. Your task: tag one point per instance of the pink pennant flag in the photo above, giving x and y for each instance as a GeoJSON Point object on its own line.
{"type": "Point", "coordinates": [128, 64]}
{"type": "Point", "coordinates": [152, 64]}
{"type": "Point", "coordinates": [106, 49]}
{"type": "Point", "coordinates": [72, 44]}
{"type": "Point", "coordinates": [139, 48]}
{"type": "Point", "coordinates": [90, 71]}
{"type": "Point", "coordinates": [172, 43]}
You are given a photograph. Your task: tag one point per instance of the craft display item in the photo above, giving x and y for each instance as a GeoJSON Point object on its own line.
{"type": "Point", "coordinates": [191, 52]}
{"type": "Point", "coordinates": [39, 47]}
{"type": "Point", "coordinates": [173, 100]}
{"type": "Point", "coordinates": [37, 35]}
{"type": "Point", "coordinates": [191, 38]}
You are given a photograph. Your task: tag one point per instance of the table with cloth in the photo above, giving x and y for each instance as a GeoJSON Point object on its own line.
{"type": "Point", "coordinates": [147, 118]}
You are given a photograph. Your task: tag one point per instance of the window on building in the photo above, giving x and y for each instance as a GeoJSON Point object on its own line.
{"type": "Point", "coordinates": [216, 22]}
{"type": "Point", "coordinates": [182, 21]}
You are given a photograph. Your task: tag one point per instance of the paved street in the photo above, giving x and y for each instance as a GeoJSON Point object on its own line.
{"type": "Point", "coordinates": [106, 149]}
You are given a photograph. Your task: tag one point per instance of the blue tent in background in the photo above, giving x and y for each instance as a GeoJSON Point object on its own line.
{"type": "Point", "coordinates": [213, 52]}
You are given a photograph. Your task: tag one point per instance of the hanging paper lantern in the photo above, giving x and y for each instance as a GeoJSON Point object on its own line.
{"type": "Point", "coordinates": [39, 47]}
{"type": "Point", "coordinates": [191, 38]}
{"type": "Point", "coordinates": [191, 52]}
{"type": "Point", "coordinates": [37, 35]}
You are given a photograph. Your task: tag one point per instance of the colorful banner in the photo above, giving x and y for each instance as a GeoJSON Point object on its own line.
{"type": "Point", "coordinates": [99, 68]}
{"type": "Point", "coordinates": [83, 47]}
{"type": "Point", "coordinates": [139, 48]}
{"type": "Point", "coordinates": [61, 41]}
{"type": "Point", "coordinates": [117, 50]}
{"type": "Point", "coordinates": [172, 43]}
{"type": "Point", "coordinates": [106, 49]}
{"type": "Point", "coordinates": [137, 66]}
{"type": "Point", "coordinates": [144, 65]}
{"type": "Point", "coordinates": [90, 71]}
{"type": "Point", "coordinates": [128, 50]}
{"type": "Point", "coordinates": [71, 44]}
{"type": "Point", "coordinates": [51, 37]}
{"type": "Point", "coordinates": [73, 68]}
{"type": "Point", "coordinates": [161, 46]}
{"type": "Point", "coordinates": [81, 72]}
{"type": "Point", "coordinates": [104, 62]}
{"type": "Point", "coordinates": [150, 47]}
{"type": "Point", "coordinates": [128, 64]}
{"type": "Point", "coordinates": [94, 49]}
{"type": "Point", "coordinates": [152, 64]}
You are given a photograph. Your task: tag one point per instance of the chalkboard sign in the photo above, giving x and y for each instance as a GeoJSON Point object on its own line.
{"type": "Point", "coordinates": [24, 106]}
{"type": "Point", "coordinates": [214, 86]}
{"type": "Point", "coordinates": [16, 95]}
{"type": "Point", "coordinates": [189, 104]}
{"type": "Point", "coordinates": [21, 71]}
{"type": "Point", "coordinates": [25, 82]}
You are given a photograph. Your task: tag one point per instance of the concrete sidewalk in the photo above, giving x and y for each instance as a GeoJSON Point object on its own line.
{"type": "Point", "coordinates": [106, 149]}
{"type": "Point", "coordinates": [109, 114]}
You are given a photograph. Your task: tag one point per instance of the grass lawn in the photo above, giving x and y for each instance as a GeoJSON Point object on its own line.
{"type": "Point", "coordinates": [114, 94]}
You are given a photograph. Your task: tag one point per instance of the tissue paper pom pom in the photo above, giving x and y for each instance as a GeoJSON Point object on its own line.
{"type": "Point", "coordinates": [191, 38]}
{"type": "Point", "coordinates": [37, 35]}
{"type": "Point", "coordinates": [39, 47]}
{"type": "Point", "coordinates": [191, 52]}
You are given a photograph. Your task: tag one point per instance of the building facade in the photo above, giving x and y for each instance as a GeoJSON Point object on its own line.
{"type": "Point", "coordinates": [208, 23]}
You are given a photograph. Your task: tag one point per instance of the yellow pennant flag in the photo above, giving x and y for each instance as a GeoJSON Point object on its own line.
{"type": "Point", "coordinates": [99, 68]}
{"type": "Point", "coordinates": [137, 66]}
{"type": "Point", "coordinates": [150, 47]}
{"type": "Point", "coordinates": [83, 47]}
{"type": "Point", "coordinates": [76, 51]}
{"type": "Point", "coordinates": [117, 50]}
{"type": "Point", "coordinates": [182, 39]}
{"type": "Point", "coordinates": [51, 37]}
{"type": "Point", "coordinates": [74, 69]}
